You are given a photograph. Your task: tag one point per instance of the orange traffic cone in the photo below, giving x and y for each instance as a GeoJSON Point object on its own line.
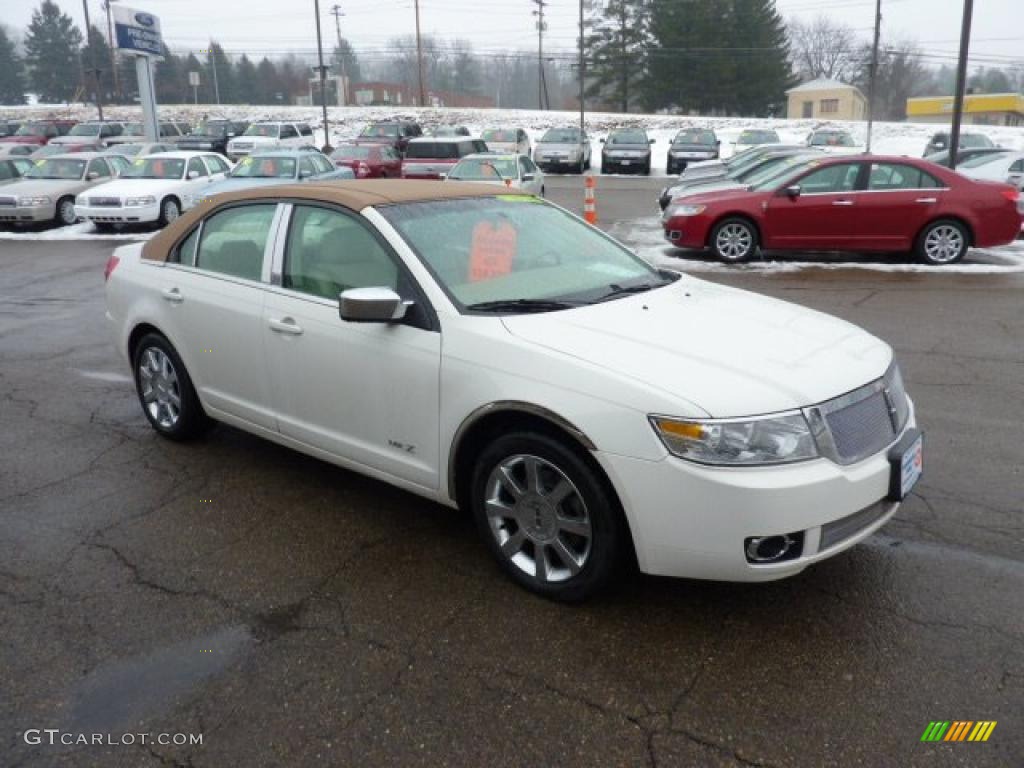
{"type": "Point", "coordinates": [589, 206]}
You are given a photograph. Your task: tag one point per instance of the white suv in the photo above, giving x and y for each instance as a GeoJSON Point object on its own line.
{"type": "Point", "coordinates": [270, 135]}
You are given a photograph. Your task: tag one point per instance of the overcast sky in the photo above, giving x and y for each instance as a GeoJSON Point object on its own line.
{"type": "Point", "coordinates": [271, 27]}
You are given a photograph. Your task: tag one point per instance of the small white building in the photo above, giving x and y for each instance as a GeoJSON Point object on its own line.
{"type": "Point", "coordinates": [826, 99]}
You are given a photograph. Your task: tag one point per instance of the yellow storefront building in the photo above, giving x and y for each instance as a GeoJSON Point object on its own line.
{"type": "Point", "coordinates": [979, 109]}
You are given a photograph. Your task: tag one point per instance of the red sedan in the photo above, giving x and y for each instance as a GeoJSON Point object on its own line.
{"type": "Point", "coordinates": [864, 203]}
{"type": "Point", "coordinates": [368, 161]}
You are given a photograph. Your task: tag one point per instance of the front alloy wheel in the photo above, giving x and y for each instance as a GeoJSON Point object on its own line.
{"type": "Point", "coordinates": [944, 242]}
{"type": "Point", "coordinates": [734, 240]}
{"type": "Point", "coordinates": [169, 211]}
{"type": "Point", "coordinates": [547, 515]}
{"type": "Point", "coordinates": [66, 212]}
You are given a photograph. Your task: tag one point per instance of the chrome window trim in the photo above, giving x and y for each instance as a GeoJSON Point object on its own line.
{"type": "Point", "coordinates": [275, 264]}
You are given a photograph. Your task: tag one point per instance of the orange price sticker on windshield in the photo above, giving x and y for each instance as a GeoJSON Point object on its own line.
{"type": "Point", "coordinates": [492, 250]}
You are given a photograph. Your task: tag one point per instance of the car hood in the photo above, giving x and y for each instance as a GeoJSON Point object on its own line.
{"type": "Point", "coordinates": [138, 187]}
{"type": "Point", "coordinates": [715, 192]}
{"type": "Point", "coordinates": [79, 140]}
{"type": "Point", "coordinates": [627, 147]}
{"type": "Point", "coordinates": [51, 187]}
{"type": "Point", "coordinates": [730, 352]}
{"type": "Point", "coordinates": [254, 139]}
{"type": "Point", "coordinates": [561, 147]}
{"type": "Point", "coordinates": [23, 140]}
{"type": "Point", "coordinates": [692, 148]}
{"type": "Point", "coordinates": [231, 184]}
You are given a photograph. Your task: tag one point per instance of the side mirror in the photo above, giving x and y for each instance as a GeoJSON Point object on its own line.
{"type": "Point", "coordinates": [304, 174]}
{"type": "Point", "coordinates": [793, 192]}
{"type": "Point", "coordinates": [193, 174]}
{"type": "Point", "coordinates": [650, 141]}
{"type": "Point", "coordinates": [371, 305]}
{"type": "Point", "coordinates": [718, 142]}
{"type": "Point", "coordinates": [92, 176]}
{"type": "Point", "coordinates": [528, 177]}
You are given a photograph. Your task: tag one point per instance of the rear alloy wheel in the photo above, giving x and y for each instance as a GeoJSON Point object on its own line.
{"type": "Point", "coordinates": [169, 211]}
{"type": "Point", "coordinates": [165, 390]}
{"type": "Point", "coordinates": [734, 240]}
{"type": "Point", "coordinates": [942, 242]}
{"type": "Point", "coordinates": [66, 211]}
{"type": "Point", "coordinates": [546, 515]}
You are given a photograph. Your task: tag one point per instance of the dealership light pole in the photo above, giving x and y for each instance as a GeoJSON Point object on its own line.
{"type": "Point", "coordinates": [419, 55]}
{"type": "Point", "coordinates": [539, 13]}
{"type": "Point", "coordinates": [874, 72]}
{"type": "Point", "coordinates": [961, 84]}
{"type": "Point", "coordinates": [113, 50]}
{"type": "Point", "coordinates": [582, 72]}
{"type": "Point", "coordinates": [213, 66]}
{"type": "Point", "coordinates": [323, 77]}
{"type": "Point", "coordinates": [92, 61]}
{"type": "Point", "coordinates": [337, 13]}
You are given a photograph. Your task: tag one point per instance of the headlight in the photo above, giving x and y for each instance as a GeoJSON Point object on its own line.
{"type": "Point", "coordinates": [685, 210]}
{"type": "Point", "coordinates": [778, 439]}
{"type": "Point", "coordinates": [29, 202]}
{"type": "Point", "coordinates": [137, 202]}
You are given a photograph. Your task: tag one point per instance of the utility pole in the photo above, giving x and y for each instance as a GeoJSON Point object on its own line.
{"type": "Point", "coordinates": [419, 56]}
{"type": "Point", "coordinates": [336, 12]}
{"type": "Point", "coordinates": [961, 84]}
{"type": "Point", "coordinates": [539, 13]}
{"type": "Point", "coordinates": [582, 73]}
{"type": "Point", "coordinates": [92, 61]}
{"type": "Point", "coordinates": [213, 66]}
{"type": "Point", "coordinates": [323, 78]}
{"type": "Point", "coordinates": [873, 73]}
{"type": "Point", "coordinates": [113, 51]}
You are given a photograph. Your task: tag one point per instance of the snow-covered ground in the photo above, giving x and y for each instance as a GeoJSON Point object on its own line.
{"type": "Point", "coordinates": [346, 122]}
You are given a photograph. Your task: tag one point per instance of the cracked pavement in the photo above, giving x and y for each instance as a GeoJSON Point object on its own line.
{"type": "Point", "coordinates": [294, 613]}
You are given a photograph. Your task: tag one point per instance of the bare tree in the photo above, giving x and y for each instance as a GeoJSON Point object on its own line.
{"type": "Point", "coordinates": [822, 48]}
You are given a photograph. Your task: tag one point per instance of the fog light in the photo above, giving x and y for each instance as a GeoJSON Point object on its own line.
{"type": "Point", "coordinates": [774, 549]}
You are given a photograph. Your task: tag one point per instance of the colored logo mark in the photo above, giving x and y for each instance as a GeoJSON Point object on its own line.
{"type": "Point", "coordinates": [145, 19]}
{"type": "Point", "coordinates": [958, 730]}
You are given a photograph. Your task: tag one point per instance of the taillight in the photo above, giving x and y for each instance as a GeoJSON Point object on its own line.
{"type": "Point", "coordinates": [1010, 194]}
{"type": "Point", "coordinates": [112, 263]}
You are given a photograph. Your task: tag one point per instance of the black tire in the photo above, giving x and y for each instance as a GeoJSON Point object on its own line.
{"type": "Point", "coordinates": [543, 192]}
{"type": "Point", "coordinates": [647, 168]}
{"type": "Point", "coordinates": [64, 215]}
{"type": "Point", "coordinates": [942, 242]}
{"type": "Point", "coordinates": [167, 205]}
{"type": "Point", "coordinates": [742, 240]}
{"type": "Point", "coordinates": [192, 420]}
{"type": "Point", "coordinates": [670, 168]}
{"type": "Point", "coordinates": [582, 166]}
{"type": "Point", "coordinates": [586, 165]}
{"type": "Point", "coordinates": [601, 557]}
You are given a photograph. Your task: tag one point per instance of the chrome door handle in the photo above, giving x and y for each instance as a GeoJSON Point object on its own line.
{"type": "Point", "coordinates": [284, 325]}
{"type": "Point", "coordinates": [926, 200]}
{"type": "Point", "coordinates": [842, 202]}
{"type": "Point", "coordinates": [173, 295]}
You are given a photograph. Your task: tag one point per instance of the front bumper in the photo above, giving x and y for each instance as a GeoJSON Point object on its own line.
{"type": "Point", "coordinates": [34, 215]}
{"type": "Point", "coordinates": [691, 521]}
{"type": "Point", "coordinates": [687, 231]}
{"type": "Point", "coordinates": [625, 164]}
{"type": "Point", "coordinates": [101, 214]}
{"type": "Point", "coordinates": [557, 163]}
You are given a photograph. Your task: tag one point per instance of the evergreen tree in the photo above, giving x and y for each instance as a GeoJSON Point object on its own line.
{"type": "Point", "coordinates": [51, 44]}
{"type": "Point", "coordinates": [763, 73]}
{"type": "Point", "coordinates": [268, 83]}
{"type": "Point", "coordinates": [170, 79]}
{"type": "Point", "coordinates": [12, 81]}
{"type": "Point", "coordinates": [224, 83]}
{"type": "Point", "coordinates": [345, 62]}
{"type": "Point", "coordinates": [245, 81]}
{"type": "Point", "coordinates": [97, 53]}
{"type": "Point", "coordinates": [618, 48]}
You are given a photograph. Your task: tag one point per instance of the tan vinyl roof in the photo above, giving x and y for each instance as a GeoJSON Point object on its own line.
{"type": "Point", "coordinates": [354, 195]}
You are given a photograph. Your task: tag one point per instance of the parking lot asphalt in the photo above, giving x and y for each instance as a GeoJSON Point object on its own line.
{"type": "Point", "coordinates": [297, 614]}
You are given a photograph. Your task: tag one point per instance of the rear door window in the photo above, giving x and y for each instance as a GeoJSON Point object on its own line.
{"type": "Point", "coordinates": [831, 179]}
{"type": "Point", "coordinates": [196, 165]}
{"type": "Point", "coordinates": [288, 132]}
{"type": "Point", "coordinates": [895, 176]}
{"type": "Point", "coordinates": [234, 240]}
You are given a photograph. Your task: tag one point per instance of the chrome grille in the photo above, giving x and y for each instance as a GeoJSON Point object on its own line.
{"type": "Point", "coordinates": [7, 201]}
{"type": "Point", "coordinates": [105, 202]}
{"type": "Point", "coordinates": [842, 529]}
{"type": "Point", "coordinates": [861, 423]}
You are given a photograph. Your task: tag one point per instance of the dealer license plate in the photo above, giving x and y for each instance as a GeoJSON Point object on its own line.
{"type": "Point", "coordinates": [907, 461]}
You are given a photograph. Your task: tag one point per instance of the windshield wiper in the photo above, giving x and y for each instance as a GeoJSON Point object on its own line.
{"type": "Point", "coordinates": [521, 305]}
{"type": "Point", "coordinates": [624, 290]}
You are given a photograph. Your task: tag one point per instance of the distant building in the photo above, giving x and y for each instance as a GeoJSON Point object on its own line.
{"type": "Point", "coordinates": [398, 95]}
{"type": "Point", "coordinates": [825, 99]}
{"type": "Point", "coordinates": [979, 109]}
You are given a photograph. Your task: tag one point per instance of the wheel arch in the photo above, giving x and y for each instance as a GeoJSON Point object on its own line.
{"type": "Point", "coordinates": [956, 219]}
{"type": "Point", "coordinates": [138, 332]}
{"type": "Point", "coordinates": [734, 215]}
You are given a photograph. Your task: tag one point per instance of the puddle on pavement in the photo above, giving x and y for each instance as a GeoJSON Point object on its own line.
{"type": "Point", "coordinates": [124, 692]}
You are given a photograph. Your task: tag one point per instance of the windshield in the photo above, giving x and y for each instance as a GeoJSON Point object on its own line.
{"type": "Point", "coordinates": [57, 168]}
{"type": "Point", "coordinates": [984, 159]}
{"type": "Point", "coordinates": [267, 131]}
{"type": "Point", "coordinates": [975, 140]}
{"type": "Point", "coordinates": [84, 129]}
{"type": "Point", "coordinates": [499, 135]}
{"type": "Point", "coordinates": [694, 136]}
{"type": "Point", "coordinates": [449, 130]}
{"type": "Point", "coordinates": [351, 152]}
{"type": "Point", "coordinates": [831, 139]}
{"type": "Point", "coordinates": [765, 179]}
{"type": "Point", "coordinates": [31, 129]}
{"type": "Point", "coordinates": [432, 150]}
{"type": "Point", "coordinates": [743, 164]}
{"type": "Point", "coordinates": [132, 129]}
{"type": "Point", "coordinates": [561, 136]}
{"type": "Point", "coordinates": [515, 248]}
{"type": "Point", "coordinates": [628, 137]}
{"type": "Point", "coordinates": [485, 169]}
{"type": "Point", "coordinates": [155, 168]}
{"type": "Point", "coordinates": [126, 150]}
{"type": "Point", "coordinates": [380, 131]}
{"type": "Point", "coordinates": [758, 137]}
{"type": "Point", "coordinates": [265, 167]}
{"type": "Point", "coordinates": [212, 129]}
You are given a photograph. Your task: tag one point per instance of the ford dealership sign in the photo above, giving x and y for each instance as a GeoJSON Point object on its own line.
{"type": "Point", "coordinates": [136, 31]}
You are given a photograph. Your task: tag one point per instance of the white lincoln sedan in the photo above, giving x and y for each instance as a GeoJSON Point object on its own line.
{"type": "Point", "coordinates": [491, 351]}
